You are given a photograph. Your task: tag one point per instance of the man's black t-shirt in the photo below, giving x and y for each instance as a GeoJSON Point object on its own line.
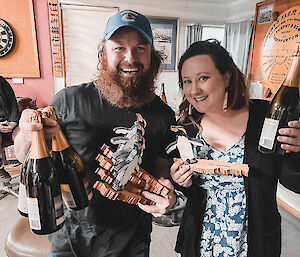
{"type": "Point", "coordinates": [88, 120]}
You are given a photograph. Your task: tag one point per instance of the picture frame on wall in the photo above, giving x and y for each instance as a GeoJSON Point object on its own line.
{"type": "Point", "coordinates": [165, 40]}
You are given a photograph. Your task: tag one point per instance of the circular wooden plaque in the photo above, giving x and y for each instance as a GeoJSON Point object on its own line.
{"type": "Point", "coordinates": [278, 46]}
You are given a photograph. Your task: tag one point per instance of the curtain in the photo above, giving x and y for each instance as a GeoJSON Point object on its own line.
{"type": "Point", "coordinates": [193, 33]}
{"type": "Point", "coordinates": [237, 39]}
{"type": "Point", "coordinates": [83, 28]}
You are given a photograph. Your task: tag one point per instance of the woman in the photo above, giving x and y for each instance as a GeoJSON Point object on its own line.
{"type": "Point", "coordinates": [229, 215]}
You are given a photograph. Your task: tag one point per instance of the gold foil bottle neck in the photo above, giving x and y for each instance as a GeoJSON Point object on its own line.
{"type": "Point", "coordinates": [293, 77]}
{"type": "Point", "coordinates": [59, 142]}
{"type": "Point", "coordinates": [39, 147]}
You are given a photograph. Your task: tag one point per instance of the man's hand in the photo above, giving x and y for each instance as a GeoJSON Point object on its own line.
{"type": "Point", "coordinates": [290, 137]}
{"type": "Point", "coordinates": [162, 204]}
{"type": "Point", "coordinates": [50, 126]}
{"type": "Point", "coordinates": [22, 134]}
{"type": "Point", "coordinates": [181, 174]}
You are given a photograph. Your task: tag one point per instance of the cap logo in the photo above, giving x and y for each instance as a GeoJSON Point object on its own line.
{"type": "Point", "coordinates": [129, 16]}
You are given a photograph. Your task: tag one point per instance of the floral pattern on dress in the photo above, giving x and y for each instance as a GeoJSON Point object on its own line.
{"type": "Point", "coordinates": [225, 223]}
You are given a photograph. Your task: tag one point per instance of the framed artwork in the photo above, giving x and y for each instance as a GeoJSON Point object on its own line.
{"type": "Point", "coordinates": [165, 40]}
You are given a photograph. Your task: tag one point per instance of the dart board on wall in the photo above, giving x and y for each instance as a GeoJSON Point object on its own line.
{"type": "Point", "coordinates": [7, 38]}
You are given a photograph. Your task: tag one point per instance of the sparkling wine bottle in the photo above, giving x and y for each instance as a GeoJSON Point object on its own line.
{"type": "Point", "coordinates": [284, 107]}
{"type": "Point", "coordinates": [44, 199]}
{"type": "Point", "coordinates": [70, 169]}
{"type": "Point", "coordinates": [163, 94]}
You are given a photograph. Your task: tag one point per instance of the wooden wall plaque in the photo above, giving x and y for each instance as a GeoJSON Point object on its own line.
{"type": "Point", "coordinates": [54, 21]}
{"type": "Point", "coordinates": [277, 28]}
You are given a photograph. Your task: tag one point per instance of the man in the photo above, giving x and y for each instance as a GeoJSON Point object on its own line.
{"type": "Point", "coordinates": [9, 118]}
{"type": "Point", "coordinates": [128, 66]}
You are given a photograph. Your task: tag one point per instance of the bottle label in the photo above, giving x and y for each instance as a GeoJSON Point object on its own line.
{"type": "Point", "coordinates": [22, 199]}
{"type": "Point", "coordinates": [67, 196]}
{"type": "Point", "coordinates": [59, 209]}
{"type": "Point", "coordinates": [33, 213]}
{"type": "Point", "coordinates": [268, 133]}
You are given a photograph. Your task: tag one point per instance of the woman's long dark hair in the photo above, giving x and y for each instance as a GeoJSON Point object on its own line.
{"type": "Point", "coordinates": [238, 95]}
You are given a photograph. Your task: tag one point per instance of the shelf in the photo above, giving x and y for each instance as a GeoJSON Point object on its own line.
{"type": "Point", "coordinates": [288, 200]}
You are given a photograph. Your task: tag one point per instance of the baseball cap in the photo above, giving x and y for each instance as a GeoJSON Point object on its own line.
{"type": "Point", "coordinates": [128, 18]}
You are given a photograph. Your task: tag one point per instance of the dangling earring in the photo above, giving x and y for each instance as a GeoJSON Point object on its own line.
{"type": "Point", "coordinates": [190, 109]}
{"type": "Point", "coordinates": [225, 102]}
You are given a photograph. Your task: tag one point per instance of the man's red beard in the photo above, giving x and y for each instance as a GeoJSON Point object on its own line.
{"type": "Point", "coordinates": [125, 92]}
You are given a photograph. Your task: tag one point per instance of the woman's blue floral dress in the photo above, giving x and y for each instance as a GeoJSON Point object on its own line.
{"type": "Point", "coordinates": [225, 221]}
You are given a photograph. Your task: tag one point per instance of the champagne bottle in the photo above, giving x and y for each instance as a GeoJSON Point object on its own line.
{"type": "Point", "coordinates": [22, 197]}
{"type": "Point", "coordinates": [284, 107]}
{"type": "Point", "coordinates": [163, 94]}
{"type": "Point", "coordinates": [44, 200]}
{"type": "Point", "coordinates": [70, 169]}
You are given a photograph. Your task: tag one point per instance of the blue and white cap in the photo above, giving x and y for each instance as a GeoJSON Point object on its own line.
{"type": "Point", "coordinates": [128, 18]}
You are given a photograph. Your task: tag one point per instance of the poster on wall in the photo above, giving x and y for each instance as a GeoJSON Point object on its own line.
{"type": "Point", "coordinates": [54, 23]}
{"type": "Point", "coordinates": [265, 14]}
{"type": "Point", "coordinates": [165, 40]}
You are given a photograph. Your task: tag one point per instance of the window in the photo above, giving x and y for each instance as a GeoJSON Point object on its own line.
{"type": "Point", "coordinates": [213, 31]}
{"type": "Point", "coordinates": [81, 39]}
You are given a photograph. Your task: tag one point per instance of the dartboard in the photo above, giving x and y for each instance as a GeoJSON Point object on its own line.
{"type": "Point", "coordinates": [6, 38]}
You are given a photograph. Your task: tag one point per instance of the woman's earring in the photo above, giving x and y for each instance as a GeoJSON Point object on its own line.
{"type": "Point", "coordinates": [225, 102]}
{"type": "Point", "coordinates": [190, 109]}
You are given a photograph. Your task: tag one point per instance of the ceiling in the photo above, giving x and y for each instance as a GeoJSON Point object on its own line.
{"type": "Point", "coordinates": [204, 10]}
{"type": "Point", "coordinates": [170, 3]}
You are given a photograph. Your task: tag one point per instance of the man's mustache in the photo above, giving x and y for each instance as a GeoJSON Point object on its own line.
{"type": "Point", "coordinates": [135, 65]}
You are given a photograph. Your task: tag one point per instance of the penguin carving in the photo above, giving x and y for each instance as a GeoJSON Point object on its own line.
{"type": "Point", "coordinates": [183, 143]}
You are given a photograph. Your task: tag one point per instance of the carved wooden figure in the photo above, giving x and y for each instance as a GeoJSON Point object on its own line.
{"type": "Point", "coordinates": [121, 177]}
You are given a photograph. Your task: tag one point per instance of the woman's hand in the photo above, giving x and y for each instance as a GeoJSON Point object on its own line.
{"type": "Point", "coordinates": [162, 204]}
{"type": "Point", "coordinates": [181, 173]}
{"type": "Point", "coordinates": [290, 137]}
